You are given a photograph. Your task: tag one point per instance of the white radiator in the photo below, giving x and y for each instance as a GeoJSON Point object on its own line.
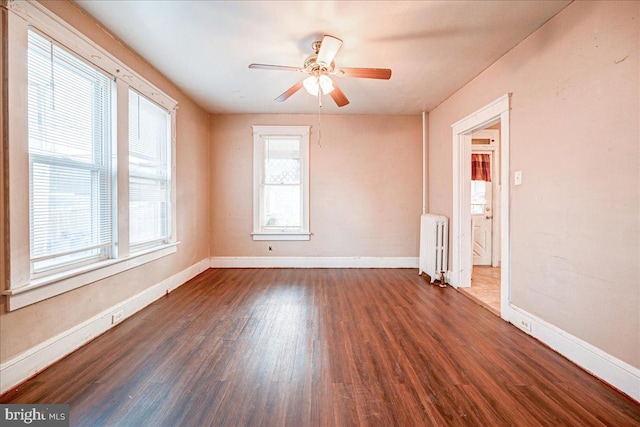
{"type": "Point", "coordinates": [434, 242]}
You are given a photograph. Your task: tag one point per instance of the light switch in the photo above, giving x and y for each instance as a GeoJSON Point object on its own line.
{"type": "Point", "coordinates": [517, 178]}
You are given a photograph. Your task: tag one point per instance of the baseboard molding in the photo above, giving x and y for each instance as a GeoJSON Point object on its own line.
{"type": "Point", "coordinates": [313, 262]}
{"type": "Point", "coordinates": [608, 368]}
{"type": "Point", "coordinates": [34, 360]}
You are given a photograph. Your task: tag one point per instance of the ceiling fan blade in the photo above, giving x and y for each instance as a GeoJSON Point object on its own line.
{"type": "Point", "coordinates": [338, 96]}
{"type": "Point", "coordinates": [293, 89]}
{"type": "Point", "coordinates": [274, 67]}
{"type": "Point", "coordinates": [328, 49]}
{"type": "Point", "coordinates": [366, 73]}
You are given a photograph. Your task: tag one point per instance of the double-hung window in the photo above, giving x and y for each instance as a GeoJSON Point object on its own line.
{"type": "Point", "coordinates": [281, 182]}
{"type": "Point", "coordinates": [149, 173]}
{"type": "Point", "coordinates": [69, 139]}
{"type": "Point", "coordinates": [90, 150]}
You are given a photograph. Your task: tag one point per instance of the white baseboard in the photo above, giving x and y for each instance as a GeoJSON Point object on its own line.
{"type": "Point", "coordinates": [313, 262]}
{"type": "Point", "coordinates": [608, 368]}
{"type": "Point", "coordinates": [35, 359]}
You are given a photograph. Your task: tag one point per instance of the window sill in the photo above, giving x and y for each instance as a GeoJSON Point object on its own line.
{"type": "Point", "coordinates": [281, 236]}
{"type": "Point", "coordinates": [56, 284]}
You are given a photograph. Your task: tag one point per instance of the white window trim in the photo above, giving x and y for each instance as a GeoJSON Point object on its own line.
{"type": "Point", "coordinates": [21, 289]}
{"type": "Point", "coordinates": [285, 235]}
{"type": "Point", "coordinates": [50, 286]}
{"type": "Point", "coordinates": [258, 164]}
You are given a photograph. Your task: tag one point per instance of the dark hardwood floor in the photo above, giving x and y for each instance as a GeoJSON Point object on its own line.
{"type": "Point", "coordinates": [300, 347]}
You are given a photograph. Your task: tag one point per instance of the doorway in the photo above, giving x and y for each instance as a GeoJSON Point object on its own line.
{"type": "Point", "coordinates": [485, 196]}
{"type": "Point", "coordinates": [485, 219]}
{"type": "Point", "coordinates": [460, 275]}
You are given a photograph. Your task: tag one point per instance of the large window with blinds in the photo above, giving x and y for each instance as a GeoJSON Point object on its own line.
{"type": "Point", "coordinates": [281, 183]}
{"type": "Point", "coordinates": [90, 146]}
{"type": "Point", "coordinates": [70, 153]}
{"type": "Point", "coordinates": [149, 173]}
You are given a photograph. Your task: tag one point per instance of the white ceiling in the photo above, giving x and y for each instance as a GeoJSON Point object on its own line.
{"type": "Point", "coordinates": [433, 47]}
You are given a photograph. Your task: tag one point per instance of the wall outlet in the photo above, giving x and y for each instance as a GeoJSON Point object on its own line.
{"type": "Point", "coordinates": [117, 317]}
{"type": "Point", "coordinates": [524, 324]}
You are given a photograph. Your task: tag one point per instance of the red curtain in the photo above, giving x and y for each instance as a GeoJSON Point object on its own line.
{"type": "Point", "coordinates": [481, 167]}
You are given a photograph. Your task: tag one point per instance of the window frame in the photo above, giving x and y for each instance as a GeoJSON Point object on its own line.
{"type": "Point", "coordinates": [259, 132]}
{"type": "Point", "coordinates": [106, 169]}
{"type": "Point", "coordinates": [21, 287]}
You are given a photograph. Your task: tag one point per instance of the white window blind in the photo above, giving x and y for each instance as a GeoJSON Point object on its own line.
{"type": "Point", "coordinates": [69, 142]}
{"type": "Point", "coordinates": [281, 184]}
{"type": "Point", "coordinates": [149, 173]}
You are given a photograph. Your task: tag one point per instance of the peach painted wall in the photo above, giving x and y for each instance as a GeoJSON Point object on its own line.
{"type": "Point", "coordinates": [575, 220]}
{"type": "Point", "coordinates": [29, 326]}
{"type": "Point", "coordinates": [365, 179]}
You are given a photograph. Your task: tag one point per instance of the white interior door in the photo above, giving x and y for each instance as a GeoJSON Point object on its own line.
{"type": "Point", "coordinates": [482, 221]}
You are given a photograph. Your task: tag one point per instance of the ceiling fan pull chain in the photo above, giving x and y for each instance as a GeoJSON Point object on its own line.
{"type": "Point", "coordinates": [319, 125]}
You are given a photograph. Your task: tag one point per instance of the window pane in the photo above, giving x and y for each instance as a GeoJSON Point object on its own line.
{"type": "Point", "coordinates": [70, 157]}
{"type": "Point", "coordinates": [282, 160]}
{"type": "Point", "coordinates": [478, 197]}
{"type": "Point", "coordinates": [61, 200]}
{"type": "Point", "coordinates": [147, 210]}
{"type": "Point", "coordinates": [282, 207]}
{"type": "Point", "coordinates": [149, 180]}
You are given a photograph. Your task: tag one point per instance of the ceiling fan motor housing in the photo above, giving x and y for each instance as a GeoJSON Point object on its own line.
{"type": "Point", "coordinates": [312, 66]}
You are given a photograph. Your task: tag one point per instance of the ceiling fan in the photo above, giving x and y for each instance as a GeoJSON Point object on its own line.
{"type": "Point", "coordinates": [319, 67]}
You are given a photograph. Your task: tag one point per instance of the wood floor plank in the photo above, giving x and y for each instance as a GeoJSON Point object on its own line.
{"type": "Point", "coordinates": [321, 347]}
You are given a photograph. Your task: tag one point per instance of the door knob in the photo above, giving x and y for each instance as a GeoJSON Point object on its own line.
{"type": "Point", "coordinates": [489, 216]}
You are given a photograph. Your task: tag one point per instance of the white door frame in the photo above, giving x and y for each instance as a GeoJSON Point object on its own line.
{"type": "Point", "coordinates": [460, 274]}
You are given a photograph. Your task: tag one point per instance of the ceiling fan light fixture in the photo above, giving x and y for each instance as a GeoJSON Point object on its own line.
{"type": "Point", "coordinates": [325, 84]}
{"type": "Point", "coordinates": [315, 84]}
{"type": "Point", "coordinates": [311, 85]}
